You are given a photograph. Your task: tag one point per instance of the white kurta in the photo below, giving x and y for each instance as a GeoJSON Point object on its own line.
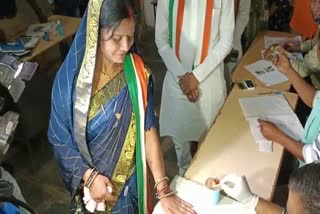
{"type": "Point", "coordinates": [179, 117]}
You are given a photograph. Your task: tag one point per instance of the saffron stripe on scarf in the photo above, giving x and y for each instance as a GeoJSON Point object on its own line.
{"type": "Point", "coordinates": [136, 92]}
{"type": "Point", "coordinates": [207, 30]}
{"type": "Point", "coordinates": [142, 77]}
{"type": "Point", "coordinates": [179, 26]}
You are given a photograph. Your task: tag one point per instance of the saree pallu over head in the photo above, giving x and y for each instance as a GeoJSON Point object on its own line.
{"type": "Point", "coordinates": [80, 143]}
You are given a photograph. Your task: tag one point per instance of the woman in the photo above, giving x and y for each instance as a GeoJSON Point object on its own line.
{"type": "Point", "coordinates": [102, 125]}
{"type": "Point", "coordinates": [193, 38]}
{"type": "Point", "coordinates": [308, 150]}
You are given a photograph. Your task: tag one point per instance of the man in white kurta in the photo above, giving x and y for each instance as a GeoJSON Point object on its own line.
{"type": "Point", "coordinates": [180, 118]}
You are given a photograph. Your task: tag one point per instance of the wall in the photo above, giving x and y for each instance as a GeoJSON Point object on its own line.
{"type": "Point", "coordinates": [148, 13]}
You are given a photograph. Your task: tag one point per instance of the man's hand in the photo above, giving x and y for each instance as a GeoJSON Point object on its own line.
{"type": "Point", "coordinates": [270, 131]}
{"type": "Point", "coordinates": [193, 95]}
{"type": "Point", "coordinates": [188, 83]}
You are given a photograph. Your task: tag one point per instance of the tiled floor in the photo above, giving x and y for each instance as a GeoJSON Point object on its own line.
{"type": "Point", "coordinates": [34, 166]}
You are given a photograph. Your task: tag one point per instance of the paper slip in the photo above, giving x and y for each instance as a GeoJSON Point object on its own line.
{"type": "Point", "coordinates": [200, 197]}
{"type": "Point", "coordinates": [273, 108]}
{"type": "Point", "coordinates": [265, 105]}
{"type": "Point", "coordinates": [266, 72]}
{"type": "Point", "coordinates": [268, 41]}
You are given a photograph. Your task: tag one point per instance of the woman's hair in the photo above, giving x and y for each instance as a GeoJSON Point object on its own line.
{"type": "Point", "coordinates": [114, 11]}
{"type": "Point", "coordinates": [305, 181]}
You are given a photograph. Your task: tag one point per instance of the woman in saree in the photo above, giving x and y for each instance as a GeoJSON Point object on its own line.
{"type": "Point", "coordinates": [102, 126]}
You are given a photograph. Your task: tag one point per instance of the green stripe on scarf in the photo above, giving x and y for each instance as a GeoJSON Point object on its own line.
{"type": "Point", "coordinates": [133, 90]}
{"type": "Point", "coordinates": [170, 23]}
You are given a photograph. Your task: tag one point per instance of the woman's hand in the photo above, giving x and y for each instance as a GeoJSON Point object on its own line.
{"type": "Point", "coordinates": [100, 190]}
{"type": "Point", "coordinates": [175, 205]}
{"type": "Point", "coordinates": [270, 131]}
{"type": "Point", "coordinates": [282, 63]}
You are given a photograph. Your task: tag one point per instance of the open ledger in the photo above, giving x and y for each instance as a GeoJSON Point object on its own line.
{"type": "Point", "coordinates": [273, 108]}
{"type": "Point", "coordinates": [201, 198]}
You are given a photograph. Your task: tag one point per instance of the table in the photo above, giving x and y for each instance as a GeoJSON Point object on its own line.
{"type": "Point", "coordinates": [70, 26]}
{"type": "Point", "coordinates": [253, 54]}
{"type": "Point", "coordinates": [230, 148]}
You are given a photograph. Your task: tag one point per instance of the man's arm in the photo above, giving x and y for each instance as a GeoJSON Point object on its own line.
{"type": "Point", "coordinates": [217, 54]}
{"type": "Point", "coordinates": [162, 40]}
{"type": "Point", "coordinates": [267, 207]}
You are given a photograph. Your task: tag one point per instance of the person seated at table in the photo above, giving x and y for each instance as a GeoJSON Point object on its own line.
{"type": "Point", "coordinates": [310, 65]}
{"type": "Point", "coordinates": [304, 192]}
{"type": "Point", "coordinates": [279, 15]}
{"type": "Point", "coordinates": [308, 150]}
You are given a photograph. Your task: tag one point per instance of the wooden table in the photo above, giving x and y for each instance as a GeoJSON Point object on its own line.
{"type": "Point", "coordinates": [230, 148]}
{"type": "Point", "coordinates": [70, 26]}
{"type": "Point", "coordinates": [253, 54]}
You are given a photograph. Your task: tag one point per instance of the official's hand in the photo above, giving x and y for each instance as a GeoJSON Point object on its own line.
{"type": "Point", "coordinates": [188, 82]}
{"type": "Point", "coordinates": [238, 188]}
{"type": "Point", "coordinates": [175, 205]}
{"type": "Point", "coordinates": [269, 130]}
{"type": "Point", "coordinates": [282, 63]}
{"type": "Point", "coordinates": [193, 95]}
{"type": "Point", "coordinates": [99, 190]}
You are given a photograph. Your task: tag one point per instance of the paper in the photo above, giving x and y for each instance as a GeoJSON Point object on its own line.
{"type": "Point", "coordinates": [200, 197]}
{"type": "Point", "coordinates": [266, 72]}
{"type": "Point", "coordinates": [268, 41]}
{"type": "Point", "coordinates": [272, 108]}
{"type": "Point", "coordinates": [265, 105]}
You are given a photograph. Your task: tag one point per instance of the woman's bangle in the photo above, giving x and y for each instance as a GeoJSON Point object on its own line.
{"type": "Point", "coordinates": [166, 195]}
{"type": "Point", "coordinates": [94, 173]}
{"type": "Point", "coordinates": [159, 181]}
{"type": "Point", "coordinates": [164, 190]}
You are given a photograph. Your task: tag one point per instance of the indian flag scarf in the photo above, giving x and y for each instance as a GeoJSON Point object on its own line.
{"type": "Point", "coordinates": [137, 85]}
{"type": "Point", "coordinates": [175, 23]}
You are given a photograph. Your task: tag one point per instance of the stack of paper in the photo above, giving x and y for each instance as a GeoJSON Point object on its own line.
{"type": "Point", "coordinates": [268, 41]}
{"type": "Point", "coordinates": [201, 198]}
{"type": "Point", "coordinates": [273, 108]}
{"type": "Point", "coordinates": [266, 72]}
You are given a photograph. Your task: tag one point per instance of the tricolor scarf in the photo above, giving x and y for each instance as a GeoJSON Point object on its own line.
{"type": "Point", "coordinates": [137, 85]}
{"type": "Point", "coordinates": [177, 7]}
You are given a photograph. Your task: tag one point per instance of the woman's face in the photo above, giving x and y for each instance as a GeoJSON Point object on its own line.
{"type": "Point", "coordinates": [315, 9]}
{"type": "Point", "coordinates": [114, 49]}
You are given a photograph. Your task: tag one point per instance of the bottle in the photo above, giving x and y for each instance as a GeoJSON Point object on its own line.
{"type": "Point", "coordinates": [60, 28]}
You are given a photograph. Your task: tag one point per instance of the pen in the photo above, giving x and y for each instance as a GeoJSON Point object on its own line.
{"type": "Point", "coordinates": [273, 92]}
